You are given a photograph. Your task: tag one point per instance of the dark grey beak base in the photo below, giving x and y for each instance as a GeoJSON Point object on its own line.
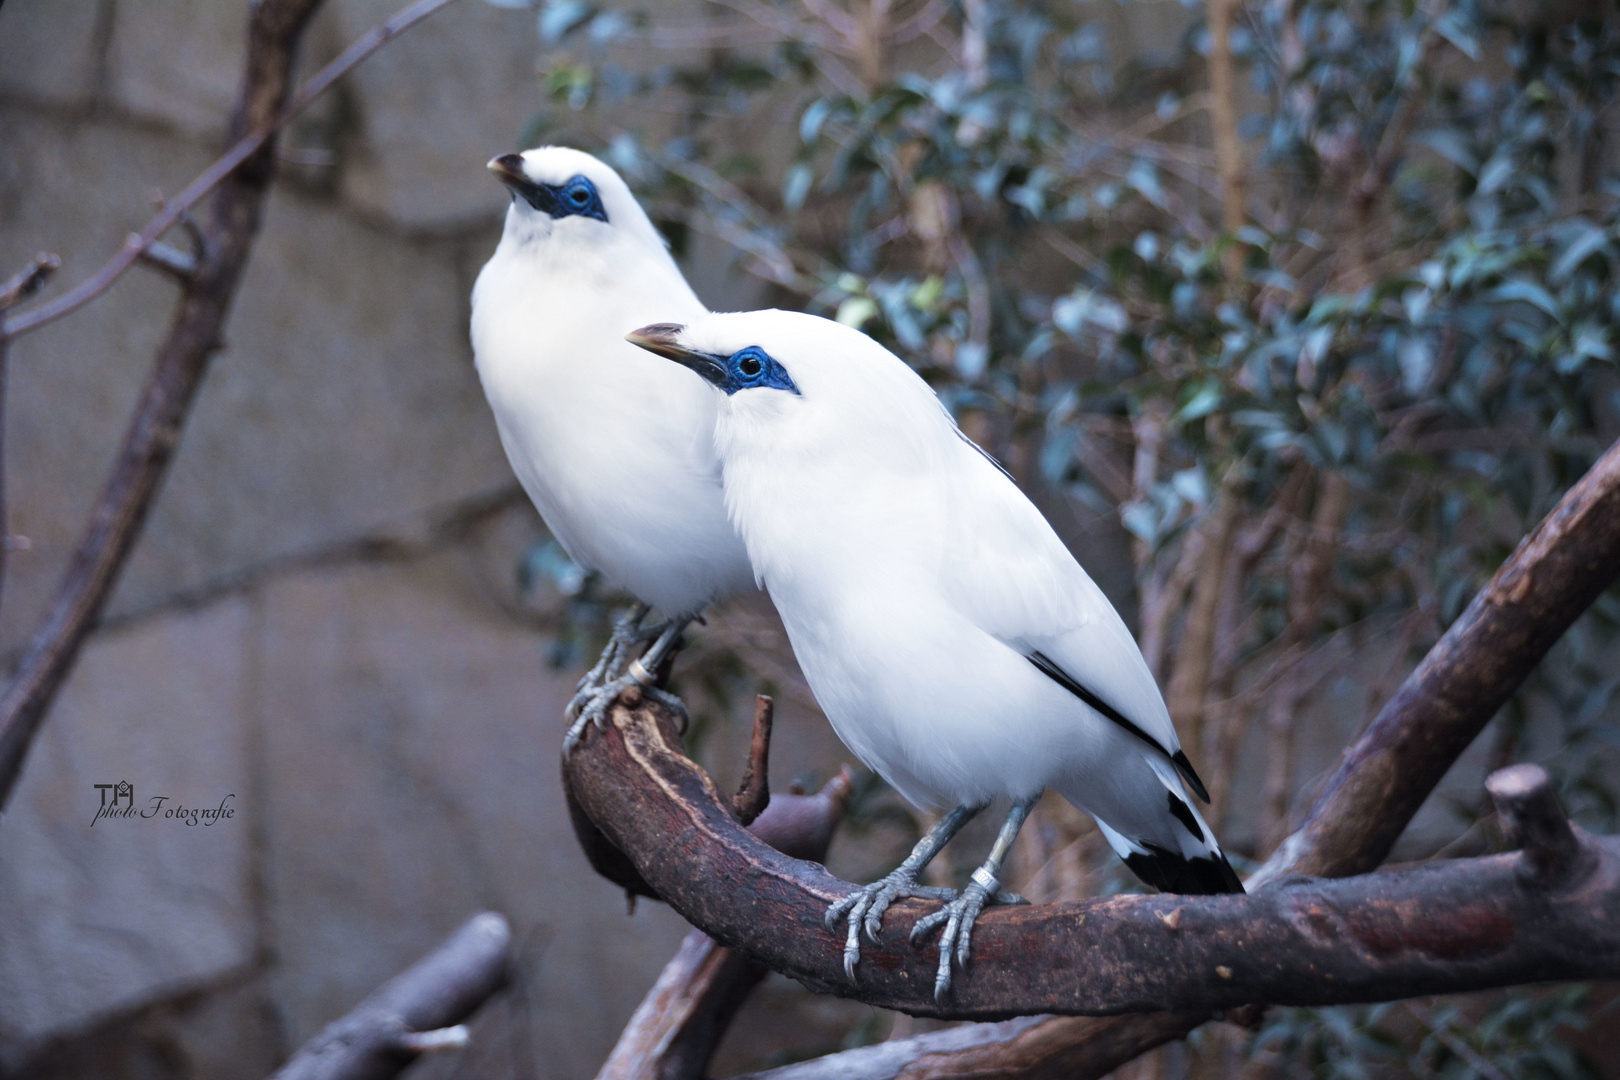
{"type": "Point", "coordinates": [663, 339]}
{"type": "Point", "coordinates": [508, 169]}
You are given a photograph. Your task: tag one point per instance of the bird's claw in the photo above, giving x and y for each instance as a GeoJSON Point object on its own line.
{"type": "Point", "coordinates": [958, 916]}
{"type": "Point", "coordinates": [864, 909]}
{"type": "Point", "coordinates": [599, 700]}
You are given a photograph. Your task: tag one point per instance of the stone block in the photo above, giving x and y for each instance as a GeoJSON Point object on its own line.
{"type": "Point", "coordinates": [179, 61]}
{"type": "Point", "coordinates": [51, 52]}
{"type": "Point", "coordinates": [76, 189]}
{"type": "Point", "coordinates": [411, 755]}
{"type": "Point", "coordinates": [436, 105]}
{"type": "Point", "coordinates": [102, 915]}
{"type": "Point", "coordinates": [344, 401]}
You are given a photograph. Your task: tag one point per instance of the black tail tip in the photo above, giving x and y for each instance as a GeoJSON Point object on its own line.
{"type": "Point", "coordinates": [1170, 872]}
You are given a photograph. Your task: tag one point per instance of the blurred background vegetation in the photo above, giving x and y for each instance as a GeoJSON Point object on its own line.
{"type": "Point", "coordinates": [1314, 300]}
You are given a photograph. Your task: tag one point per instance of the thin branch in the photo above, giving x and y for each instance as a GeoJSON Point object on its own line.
{"type": "Point", "coordinates": [1188, 697]}
{"type": "Point", "coordinates": [274, 29]}
{"type": "Point", "coordinates": [248, 142]}
{"type": "Point", "coordinates": [29, 280]}
{"type": "Point", "coordinates": [754, 793]}
{"type": "Point", "coordinates": [1029, 1048]}
{"type": "Point", "coordinates": [419, 1011]}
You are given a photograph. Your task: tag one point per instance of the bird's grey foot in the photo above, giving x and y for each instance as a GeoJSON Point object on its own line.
{"type": "Point", "coordinates": [960, 912]}
{"type": "Point", "coordinates": [865, 906]}
{"type": "Point", "coordinates": [958, 915]}
{"type": "Point", "coordinates": [593, 703]}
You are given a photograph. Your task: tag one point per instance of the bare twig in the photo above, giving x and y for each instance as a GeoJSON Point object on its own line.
{"type": "Point", "coordinates": [754, 793]}
{"type": "Point", "coordinates": [1029, 1048]}
{"type": "Point", "coordinates": [248, 142]}
{"type": "Point", "coordinates": [419, 1011]}
{"type": "Point", "coordinates": [29, 280]}
{"type": "Point", "coordinates": [116, 519]}
{"type": "Point", "coordinates": [1188, 697]}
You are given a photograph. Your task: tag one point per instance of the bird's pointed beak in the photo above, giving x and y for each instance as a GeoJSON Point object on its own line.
{"type": "Point", "coordinates": [508, 169]}
{"type": "Point", "coordinates": [664, 339]}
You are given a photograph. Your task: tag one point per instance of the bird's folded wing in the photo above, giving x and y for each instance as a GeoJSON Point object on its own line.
{"type": "Point", "coordinates": [1006, 569]}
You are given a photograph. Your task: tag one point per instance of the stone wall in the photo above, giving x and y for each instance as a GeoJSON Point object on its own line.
{"type": "Point", "coordinates": [317, 626]}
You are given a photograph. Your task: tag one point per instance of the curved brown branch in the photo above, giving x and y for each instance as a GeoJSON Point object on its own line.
{"type": "Point", "coordinates": [413, 1013]}
{"type": "Point", "coordinates": [1554, 575]}
{"type": "Point", "coordinates": [273, 32]}
{"type": "Point", "coordinates": [1468, 924]}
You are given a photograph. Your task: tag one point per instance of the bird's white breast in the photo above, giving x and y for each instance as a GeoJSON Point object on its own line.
{"type": "Point", "coordinates": [614, 445]}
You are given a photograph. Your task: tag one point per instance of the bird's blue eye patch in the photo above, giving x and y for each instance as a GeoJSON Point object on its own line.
{"type": "Point", "coordinates": [575, 197]}
{"type": "Point", "coordinates": [753, 368]}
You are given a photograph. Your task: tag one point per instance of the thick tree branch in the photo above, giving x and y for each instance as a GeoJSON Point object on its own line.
{"type": "Point", "coordinates": [1468, 924]}
{"type": "Point", "coordinates": [1554, 575]}
{"type": "Point", "coordinates": [417, 1012]}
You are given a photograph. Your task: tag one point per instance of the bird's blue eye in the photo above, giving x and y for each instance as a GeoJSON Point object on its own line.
{"type": "Point", "coordinates": [749, 366]}
{"type": "Point", "coordinates": [579, 193]}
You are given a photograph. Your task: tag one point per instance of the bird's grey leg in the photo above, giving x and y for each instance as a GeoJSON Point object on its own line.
{"type": "Point", "coordinates": [626, 632]}
{"type": "Point", "coordinates": [959, 914]}
{"type": "Point", "coordinates": [594, 701]}
{"type": "Point", "coordinates": [867, 905]}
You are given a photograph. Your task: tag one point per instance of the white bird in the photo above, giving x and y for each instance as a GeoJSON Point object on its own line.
{"type": "Point", "coordinates": [956, 645]}
{"type": "Point", "coordinates": [614, 447]}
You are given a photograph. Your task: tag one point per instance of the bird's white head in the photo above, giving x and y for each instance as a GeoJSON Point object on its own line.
{"type": "Point", "coordinates": [565, 195]}
{"type": "Point", "coordinates": [792, 379]}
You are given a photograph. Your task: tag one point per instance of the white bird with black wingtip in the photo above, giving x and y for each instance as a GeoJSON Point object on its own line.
{"type": "Point", "coordinates": [614, 447]}
{"type": "Point", "coordinates": [954, 642]}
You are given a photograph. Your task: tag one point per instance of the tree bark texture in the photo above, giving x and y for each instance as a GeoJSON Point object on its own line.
{"type": "Point", "coordinates": [1440, 928]}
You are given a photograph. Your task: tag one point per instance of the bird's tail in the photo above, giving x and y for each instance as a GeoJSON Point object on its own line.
{"type": "Point", "coordinates": [1169, 846]}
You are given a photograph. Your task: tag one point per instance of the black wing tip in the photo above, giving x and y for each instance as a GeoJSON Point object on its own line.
{"type": "Point", "coordinates": [1170, 872]}
{"type": "Point", "coordinates": [1184, 767]}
